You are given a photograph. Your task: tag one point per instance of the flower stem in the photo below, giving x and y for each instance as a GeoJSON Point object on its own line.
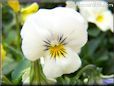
{"type": "Point", "coordinates": [107, 76]}
{"type": "Point", "coordinates": [5, 80]}
{"type": "Point", "coordinates": [88, 67]}
{"type": "Point", "coordinates": [18, 30]}
{"type": "Point", "coordinates": [36, 74]}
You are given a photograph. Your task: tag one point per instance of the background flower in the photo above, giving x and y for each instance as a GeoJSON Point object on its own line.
{"type": "Point", "coordinates": [14, 4]}
{"type": "Point", "coordinates": [100, 15]}
{"type": "Point", "coordinates": [26, 11]}
{"type": "Point", "coordinates": [3, 53]}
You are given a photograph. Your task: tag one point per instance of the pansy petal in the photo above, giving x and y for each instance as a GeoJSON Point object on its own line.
{"type": "Point", "coordinates": [62, 65]}
{"type": "Point", "coordinates": [60, 20]}
{"type": "Point", "coordinates": [72, 25]}
{"type": "Point", "coordinates": [107, 22]}
{"type": "Point", "coordinates": [89, 9]}
{"type": "Point", "coordinates": [75, 43]}
{"type": "Point", "coordinates": [51, 69]}
{"type": "Point", "coordinates": [43, 19]}
{"type": "Point", "coordinates": [45, 24]}
{"type": "Point", "coordinates": [67, 20]}
{"type": "Point", "coordinates": [32, 39]}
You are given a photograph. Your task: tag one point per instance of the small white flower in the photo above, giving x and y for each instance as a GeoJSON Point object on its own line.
{"type": "Point", "coordinates": [97, 12]}
{"type": "Point", "coordinates": [57, 35]}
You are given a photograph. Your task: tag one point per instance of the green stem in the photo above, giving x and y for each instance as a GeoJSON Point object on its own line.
{"type": "Point", "coordinates": [107, 76]}
{"type": "Point", "coordinates": [18, 30]}
{"type": "Point", "coordinates": [36, 74]}
{"type": "Point", "coordinates": [5, 80]}
{"type": "Point", "coordinates": [88, 67]}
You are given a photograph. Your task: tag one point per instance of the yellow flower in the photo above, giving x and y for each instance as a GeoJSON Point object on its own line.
{"type": "Point", "coordinates": [28, 11]}
{"type": "Point", "coordinates": [3, 53]}
{"type": "Point", "coordinates": [14, 4]}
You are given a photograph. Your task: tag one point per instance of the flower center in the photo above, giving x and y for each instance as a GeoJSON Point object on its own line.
{"type": "Point", "coordinates": [99, 18]}
{"type": "Point", "coordinates": [56, 47]}
{"type": "Point", "coordinates": [57, 50]}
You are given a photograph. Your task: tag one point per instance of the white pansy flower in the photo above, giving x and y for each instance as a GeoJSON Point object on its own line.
{"type": "Point", "coordinates": [97, 12]}
{"type": "Point", "coordinates": [57, 35]}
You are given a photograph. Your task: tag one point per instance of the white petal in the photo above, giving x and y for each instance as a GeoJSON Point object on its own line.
{"type": "Point", "coordinates": [67, 20]}
{"type": "Point", "coordinates": [51, 69]}
{"type": "Point", "coordinates": [43, 19]}
{"type": "Point", "coordinates": [89, 9]}
{"type": "Point", "coordinates": [64, 65]}
{"type": "Point", "coordinates": [32, 39]}
{"type": "Point", "coordinates": [107, 21]}
{"type": "Point", "coordinates": [45, 23]}
{"type": "Point", "coordinates": [42, 60]}
{"type": "Point", "coordinates": [60, 20]}
{"type": "Point", "coordinates": [76, 41]}
{"type": "Point", "coordinates": [72, 25]}
{"type": "Point", "coordinates": [111, 25]}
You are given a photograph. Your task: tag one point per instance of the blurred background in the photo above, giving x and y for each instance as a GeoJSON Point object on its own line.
{"type": "Point", "coordinates": [99, 49]}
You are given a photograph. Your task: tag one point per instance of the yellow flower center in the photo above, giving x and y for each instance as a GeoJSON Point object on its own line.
{"type": "Point", "coordinates": [57, 50]}
{"type": "Point", "coordinates": [99, 18]}
{"type": "Point", "coordinates": [56, 47]}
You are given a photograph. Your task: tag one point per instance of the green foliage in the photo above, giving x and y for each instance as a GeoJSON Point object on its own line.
{"type": "Point", "coordinates": [9, 65]}
{"type": "Point", "coordinates": [19, 70]}
{"type": "Point", "coordinates": [90, 71]}
{"type": "Point", "coordinates": [99, 51]}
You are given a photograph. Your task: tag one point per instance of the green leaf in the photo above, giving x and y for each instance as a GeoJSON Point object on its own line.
{"type": "Point", "coordinates": [11, 37]}
{"type": "Point", "coordinates": [111, 40]}
{"type": "Point", "coordinates": [8, 65]}
{"type": "Point", "coordinates": [103, 57]}
{"type": "Point", "coordinates": [8, 15]}
{"type": "Point", "coordinates": [19, 70]}
{"type": "Point", "coordinates": [5, 80]}
{"type": "Point", "coordinates": [94, 32]}
{"type": "Point", "coordinates": [93, 45]}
